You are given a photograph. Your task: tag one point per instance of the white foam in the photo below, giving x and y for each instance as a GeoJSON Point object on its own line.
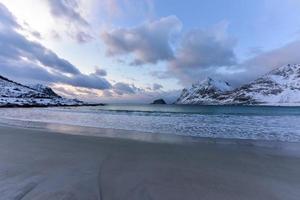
{"type": "Point", "coordinates": [281, 128]}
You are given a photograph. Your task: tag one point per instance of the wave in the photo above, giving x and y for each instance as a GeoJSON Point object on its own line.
{"type": "Point", "coordinates": [259, 125]}
{"type": "Point", "coordinates": [188, 110]}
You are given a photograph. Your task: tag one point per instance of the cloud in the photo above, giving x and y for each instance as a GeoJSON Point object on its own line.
{"type": "Point", "coordinates": [66, 9]}
{"type": "Point", "coordinates": [260, 64]}
{"type": "Point", "coordinates": [77, 92]}
{"type": "Point", "coordinates": [111, 96]}
{"type": "Point", "coordinates": [37, 35]}
{"type": "Point", "coordinates": [16, 46]}
{"type": "Point", "coordinates": [143, 96]}
{"type": "Point", "coordinates": [148, 43]}
{"type": "Point", "coordinates": [100, 72]}
{"type": "Point", "coordinates": [20, 57]}
{"type": "Point", "coordinates": [201, 52]}
{"type": "Point", "coordinates": [8, 21]}
{"type": "Point", "coordinates": [82, 37]}
{"type": "Point", "coordinates": [125, 89]}
{"type": "Point", "coordinates": [27, 71]}
{"type": "Point", "coordinates": [137, 95]}
{"type": "Point", "coordinates": [264, 62]}
{"type": "Point", "coordinates": [88, 81]}
{"type": "Point", "coordinates": [268, 60]}
{"type": "Point", "coordinates": [210, 52]}
{"type": "Point", "coordinates": [228, 69]}
{"type": "Point", "coordinates": [156, 87]}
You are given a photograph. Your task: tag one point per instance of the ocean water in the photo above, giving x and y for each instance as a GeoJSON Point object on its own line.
{"type": "Point", "coordinates": [242, 122]}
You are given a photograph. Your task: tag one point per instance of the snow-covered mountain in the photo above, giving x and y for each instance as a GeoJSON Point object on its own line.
{"type": "Point", "coordinates": [279, 87]}
{"type": "Point", "coordinates": [15, 94]}
{"type": "Point", "coordinates": [205, 92]}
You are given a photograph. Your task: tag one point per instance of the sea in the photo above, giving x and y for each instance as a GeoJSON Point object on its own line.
{"type": "Point", "coordinates": [235, 122]}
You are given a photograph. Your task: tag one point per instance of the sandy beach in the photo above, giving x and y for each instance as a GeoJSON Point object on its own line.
{"type": "Point", "coordinates": [41, 164]}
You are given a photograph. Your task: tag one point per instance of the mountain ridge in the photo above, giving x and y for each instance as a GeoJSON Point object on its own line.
{"type": "Point", "coordinates": [280, 86]}
{"type": "Point", "coordinates": [14, 94]}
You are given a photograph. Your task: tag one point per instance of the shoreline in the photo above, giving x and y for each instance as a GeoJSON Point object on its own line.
{"type": "Point", "coordinates": [221, 122]}
{"type": "Point", "coordinates": [42, 163]}
{"type": "Point", "coordinates": [49, 106]}
{"type": "Point", "coordinates": [87, 131]}
{"type": "Point", "coordinates": [276, 105]}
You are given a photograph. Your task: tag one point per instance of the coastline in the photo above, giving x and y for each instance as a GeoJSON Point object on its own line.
{"type": "Point", "coordinates": [43, 163]}
{"type": "Point", "coordinates": [49, 106]}
{"type": "Point", "coordinates": [138, 136]}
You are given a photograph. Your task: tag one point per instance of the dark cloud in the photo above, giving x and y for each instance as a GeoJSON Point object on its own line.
{"type": "Point", "coordinates": [26, 71]}
{"type": "Point", "coordinates": [37, 34]}
{"type": "Point", "coordinates": [148, 43]}
{"type": "Point", "coordinates": [156, 86]}
{"type": "Point", "coordinates": [88, 81]}
{"type": "Point", "coordinates": [100, 72]}
{"type": "Point", "coordinates": [125, 89]}
{"type": "Point", "coordinates": [66, 9]}
{"type": "Point", "coordinates": [83, 37]}
{"type": "Point", "coordinates": [23, 59]}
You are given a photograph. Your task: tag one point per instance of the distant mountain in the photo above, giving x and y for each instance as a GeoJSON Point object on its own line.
{"type": "Point", "coordinates": [206, 92]}
{"type": "Point", "coordinates": [13, 94]}
{"type": "Point", "coordinates": [279, 87]}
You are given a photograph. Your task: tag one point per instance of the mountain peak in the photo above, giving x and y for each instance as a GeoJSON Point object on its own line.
{"type": "Point", "coordinates": [44, 89]}
{"type": "Point", "coordinates": [210, 83]}
{"type": "Point", "coordinates": [286, 71]}
{"type": "Point", "coordinates": [280, 86]}
{"type": "Point", "coordinates": [204, 92]}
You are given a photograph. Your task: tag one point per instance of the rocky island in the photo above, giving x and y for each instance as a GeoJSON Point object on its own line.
{"type": "Point", "coordinates": [159, 101]}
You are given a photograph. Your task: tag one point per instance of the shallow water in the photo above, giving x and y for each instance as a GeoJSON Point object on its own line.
{"type": "Point", "coordinates": [262, 123]}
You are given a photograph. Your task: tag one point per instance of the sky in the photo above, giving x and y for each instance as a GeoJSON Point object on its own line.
{"type": "Point", "coordinates": [136, 51]}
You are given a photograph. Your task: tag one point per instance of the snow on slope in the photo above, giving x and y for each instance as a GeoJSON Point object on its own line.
{"type": "Point", "coordinates": [15, 94]}
{"type": "Point", "coordinates": [205, 92]}
{"type": "Point", "coordinates": [279, 87]}
{"type": "Point", "coordinates": [44, 89]}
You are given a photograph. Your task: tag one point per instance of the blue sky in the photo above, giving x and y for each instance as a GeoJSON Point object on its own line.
{"type": "Point", "coordinates": [139, 50]}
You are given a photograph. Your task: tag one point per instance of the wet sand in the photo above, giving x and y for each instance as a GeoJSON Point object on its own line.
{"type": "Point", "coordinates": [44, 164]}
